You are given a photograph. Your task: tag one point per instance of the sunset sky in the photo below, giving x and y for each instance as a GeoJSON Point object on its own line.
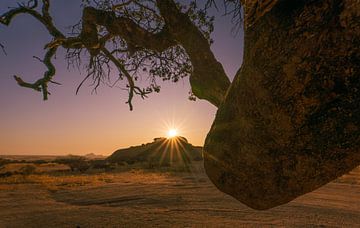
{"type": "Point", "coordinates": [86, 123]}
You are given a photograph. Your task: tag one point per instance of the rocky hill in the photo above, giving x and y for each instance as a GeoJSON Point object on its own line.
{"type": "Point", "coordinates": [161, 151]}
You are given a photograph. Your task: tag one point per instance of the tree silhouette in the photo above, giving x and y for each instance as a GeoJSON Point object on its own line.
{"type": "Point", "coordinates": [162, 40]}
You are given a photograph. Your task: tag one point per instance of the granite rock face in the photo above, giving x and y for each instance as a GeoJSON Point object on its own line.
{"type": "Point", "coordinates": [290, 122]}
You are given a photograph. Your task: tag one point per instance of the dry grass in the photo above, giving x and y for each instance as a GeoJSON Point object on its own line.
{"type": "Point", "coordinates": [54, 182]}
{"type": "Point", "coordinates": [57, 182]}
{"type": "Point", "coordinates": [36, 168]}
{"type": "Point", "coordinates": [149, 198]}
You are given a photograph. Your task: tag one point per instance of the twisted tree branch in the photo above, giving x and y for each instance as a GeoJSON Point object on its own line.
{"type": "Point", "coordinates": [45, 19]}
{"type": "Point", "coordinates": [41, 84]}
{"type": "Point", "coordinates": [208, 79]}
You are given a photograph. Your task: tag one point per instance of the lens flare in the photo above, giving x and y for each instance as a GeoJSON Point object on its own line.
{"type": "Point", "coordinates": [172, 133]}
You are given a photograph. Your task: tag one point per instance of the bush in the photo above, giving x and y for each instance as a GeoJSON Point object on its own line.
{"type": "Point", "coordinates": [7, 174]}
{"type": "Point", "coordinates": [102, 164]}
{"type": "Point", "coordinates": [40, 162]}
{"type": "Point", "coordinates": [75, 163]}
{"type": "Point", "coordinates": [4, 162]}
{"type": "Point", "coordinates": [27, 169]}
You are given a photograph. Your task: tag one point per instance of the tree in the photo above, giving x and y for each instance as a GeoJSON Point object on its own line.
{"type": "Point", "coordinates": [290, 121]}
{"type": "Point", "coordinates": [161, 39]}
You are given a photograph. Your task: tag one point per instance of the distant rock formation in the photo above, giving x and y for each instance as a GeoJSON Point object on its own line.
{"type": "Point", "coordinates": [161, 151]}
{"type": "Point", "coordinates": [93, 156]}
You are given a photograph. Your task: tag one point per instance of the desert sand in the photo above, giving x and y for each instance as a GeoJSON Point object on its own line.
{"type": "Point", "coordinates": [137, 198]}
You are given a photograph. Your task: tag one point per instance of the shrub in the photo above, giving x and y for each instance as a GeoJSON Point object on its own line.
{"type": "Point", "coordinates": [4, 161]}
{"type": "Point", "coordinates": [75, 163]}
{"type": "Point", "coordinates": [27, 169]}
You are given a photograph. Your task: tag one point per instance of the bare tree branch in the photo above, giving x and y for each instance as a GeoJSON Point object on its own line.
{"type": "Point", "coordinates": [45, 19]}
{"type": "Point", "coordinates": [3, 48]}
{"type": "Point", "coordinates": [133, 89]}
{"type": "Point", "coordinates": [163, 39]}
{"type": "Point", "coordinates": [41, 84]}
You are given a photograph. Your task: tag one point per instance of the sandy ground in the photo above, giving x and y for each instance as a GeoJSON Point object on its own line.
{"type": "Point", "coordinates": [150, 199]}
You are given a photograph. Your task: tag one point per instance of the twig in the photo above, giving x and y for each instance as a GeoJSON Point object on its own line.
{"type": "Point", "coordinates": [3, 49]}
{"type": "Point", "coordinates": [41, 84]}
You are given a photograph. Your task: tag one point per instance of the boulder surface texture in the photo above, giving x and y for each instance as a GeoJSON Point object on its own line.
{"type": "Point", "coordinates": [290, 122]}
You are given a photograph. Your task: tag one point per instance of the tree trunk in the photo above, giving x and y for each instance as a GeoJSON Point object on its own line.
{"type": "Point", "coordinates": [290, 122]}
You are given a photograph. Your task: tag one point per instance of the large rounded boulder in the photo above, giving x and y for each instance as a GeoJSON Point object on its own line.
{"type": "Point", "coordinates": [290, 122]}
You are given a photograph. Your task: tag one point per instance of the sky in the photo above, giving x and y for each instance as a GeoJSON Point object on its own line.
{"type": "Point", "coordinates": [92, 123]}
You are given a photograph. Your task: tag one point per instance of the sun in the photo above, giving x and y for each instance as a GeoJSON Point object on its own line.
{"type": "Point", "coordinates": [172, 133]}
